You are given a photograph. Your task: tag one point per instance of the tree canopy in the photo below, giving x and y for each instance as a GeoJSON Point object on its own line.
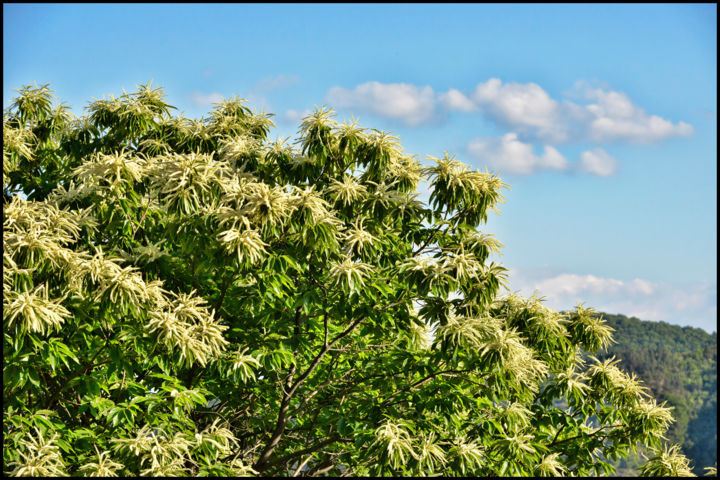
{"type": "Point", "coordinates": [187, 297]}
{"type": "Point", "coordinates": [678, 364]}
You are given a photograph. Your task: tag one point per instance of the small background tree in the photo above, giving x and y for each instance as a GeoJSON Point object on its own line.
{"type": "Point", "coordinates": [186, 297]}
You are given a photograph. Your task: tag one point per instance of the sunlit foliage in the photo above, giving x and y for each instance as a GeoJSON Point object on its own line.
{"type": "Point", "coordinates": [186, 297]}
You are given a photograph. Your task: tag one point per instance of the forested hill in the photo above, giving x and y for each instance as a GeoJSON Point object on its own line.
{"type": "Point", "coordinates": [678, 364]}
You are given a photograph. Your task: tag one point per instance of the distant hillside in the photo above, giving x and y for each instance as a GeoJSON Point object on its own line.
{"type": "Point", "coordinates": [678, 364]}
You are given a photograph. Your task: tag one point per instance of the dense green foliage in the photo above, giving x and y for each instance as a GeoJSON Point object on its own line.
{"type": "Point", "coordinates": [185, 297]}
{"type": "Point", "coordinates": [679, 365]}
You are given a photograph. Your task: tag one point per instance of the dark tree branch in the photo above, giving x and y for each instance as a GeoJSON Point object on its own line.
{"type": "Point", "coordinates": [89, 365]}
{"type": "Point", "coordinates": [137, 227]}
{"type": "Point", "coordinates": [423, 381]}
{"type": "Point", "coordinates": [285, 403]}
{"type": "Point", "coordinates": [588, 435]}
{"type": "Point", "coordinates": [299, 453]}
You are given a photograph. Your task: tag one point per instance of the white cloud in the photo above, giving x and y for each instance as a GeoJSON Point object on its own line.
{"type": "Point", "coordinates": [294, 116]}
{"type": "Point", "coordinates": [609, 116]}
{"type": "Point", "coordinates": [692, 304]}
{"type": "Point", "coordinates": [571, 285]}
{"type": "Point", "coordinates": [597, 162]}
{"type": "Point", "coordinates": [522, 107]}
{"type": "Point", "coordinates": [603, 116]}
{"type": "Point", "coordinates": [615, 118]}
{"type": "Point", "coordinates": [513, 156]}
{"type": "Point", "coordinates": [414, 105]}
{"type": "Point", "coordinates": [456, 100]}
{"type": "Point", "coordinates": [206, 99]}
{"type": "Point", "coordinates": [551, 159]}
{"type": "Point", "coordinates": [275, 82]}
{"type": "Point", "coordinates": [509, 154]}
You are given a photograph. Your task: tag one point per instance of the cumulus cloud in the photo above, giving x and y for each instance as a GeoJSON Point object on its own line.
{"type": "Point", "coordinates": [551, 159]}
{"type": "Point", "coordinates": [616, 118]}
{"type": "Point", "coordinates": [206, 99]}
{"type": "Point", "coordinates": [409, 103]}
{"type": "Point", "coordinates": [586, 114]}
{"type": "Point", "coordinates": [603, 116]}
{"type": "Point", "coordinates": [456, 100]}
{"type": "Point", "coordinates": [608, 116]}
{"type": "Point", "coordinates": [693, 304]}
{"type": "Point", "coordinates": [294, 116]}
{"type": "Point", "coordinates": [523, 107]}
{"type": "Point", "coordinates": [509, 154]}
{"type": "Point", "coordinates": [597, 162]}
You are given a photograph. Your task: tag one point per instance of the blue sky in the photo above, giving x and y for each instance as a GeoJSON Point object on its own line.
{"type": "Point", "coordinates": [602, 118]}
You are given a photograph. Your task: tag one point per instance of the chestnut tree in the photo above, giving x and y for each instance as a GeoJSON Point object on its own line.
{"type": "Point", "coordinates": [187, 297]}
